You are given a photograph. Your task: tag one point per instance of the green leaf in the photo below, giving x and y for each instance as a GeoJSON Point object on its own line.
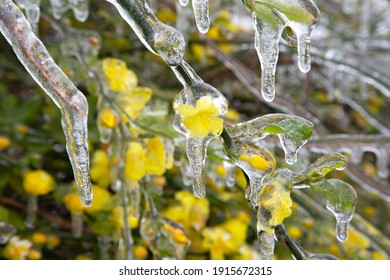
{"type": "Point", "coordinates": [296, 128]}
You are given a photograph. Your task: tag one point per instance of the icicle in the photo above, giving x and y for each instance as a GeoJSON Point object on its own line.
{"type": "Point", "coordinates": [149, 221]}
{"type": "Point", "coordinates": [77, 224]}
{"type": "Point", "coordinates": [80, 9]}
{"type": "Point", "coordinates": [184, 2]}
{"type": "Point", "coordinates": [267, 245]}
{"type": "Point", "coordinates": [196, 152]}
{"type": "Point", "coordinates": [270, 18]}
{"type": "Point", "coordinates": [201, 11]}
{"type": "Point", "coordinates": [58, 8]}
{"type": "Point", "coordinates": [126, 233]}
{"type": "Point", "coordinates": [186, 174]}
{"type": "Point", "coordinates": [230, 177]}
{"type": "Point", "coordinates": [103, 244]}
{"type": "Point", "coordinates": [32, 208]}
{"type": "Point", "coordinates": [72, 103]}
{"type": "Point", "coordinates": [134, 192]}
{"type": "Point", "coordinates": [267, 40]}
{"type": "Point", "coordinates": [159, 38]}
{"type": "Point", "coordinates": [6, 232]}
{"type": "Point", "coordinates": [32, 11]}
{"type": "Point", "coordinates": [382, 162]}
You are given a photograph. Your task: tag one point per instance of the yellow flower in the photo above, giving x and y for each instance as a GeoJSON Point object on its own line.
{"type": "Point", "coordinates": [294, 232]}
{"type": "Point", "coordinates": [177, 234]}
{"type": "Point", "coordinates": [72, 202]}
{"type": "Point", "coordinates": [38, 182]}
{"type": "Point", "coordinates": [22, 129]}
{"type": "Point", "coordinates": [100, 168]}
{"type": "Point", "coordinates": [120, 78]}
{"type": "Point", "coordinates": [100, 197]}
{"type": "Point", "coordinates": [107, 118]}
{"type": "Point", "coordinates": [135, 162]}
{"type": "Point", "coordinates": [133, 101]}
{"type": "Point", "coordinates": [191, 212]}
{"type": "Point", "coordinates": [118, 218]}
{"type": "Point", "coordinates": [155, 156]}
{"type": "Point", "coordinates": [16, 249]}
{"type": "Point", "coordinates": [275, 206]}
{"type": "Point", "coordinates": [39, 238]}
{"type": "Point", "coordinates": [225, 239]}
{"type": "Point", "coordinates": [202, 119]}
{"type": "Point", "coordinates": [140, 252]}
{"type": "Point", "coordinates": [34, 254]}
{"type": "Point", "coordinates": [257, 162]}
{"type": "Point", "coordinates": [53, 241]}
{"type": "Point", "coordinates": [233, 115]}
{"type": "Point", "coordinates": [149, 160]}
{"type": "Point", "coordinates": [4, 143]}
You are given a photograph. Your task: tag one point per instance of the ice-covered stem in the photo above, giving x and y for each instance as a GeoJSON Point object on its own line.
{"type": "Point", "coordinates": [159, 38]}
{"type": "Point", "coordinates": [73, 105]}
{"type": "Point", "coordinates": [297, 251]}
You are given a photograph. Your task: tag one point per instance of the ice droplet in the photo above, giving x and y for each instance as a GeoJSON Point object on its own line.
{"type": "Point", "coordinates": [201, 11]}
{"type": "Point", "coordinates": [58, 8]}
{"type": "Point", "coordinates": [342, 222]}
{"type": "Point", "coordinates": [73, 105]}
{"type": "Point", "coordinates": [80, 9]}
{"type": "Point", "coordinates": [267, 46]}
{"type": "Point", "coordinates": [149, 221]}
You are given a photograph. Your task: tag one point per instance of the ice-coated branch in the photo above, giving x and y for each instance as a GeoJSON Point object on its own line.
{"type": "Point", "coordinates": [73, 105]}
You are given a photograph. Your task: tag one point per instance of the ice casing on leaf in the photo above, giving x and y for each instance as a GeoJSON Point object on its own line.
{"type": "Point", "coordinates": [341, 201]}
{"type": "Point", "coordinates": [73, 105]}
{"type": "Point", "coordinates": [315, 174]}
{"type": "Point", "coordinates": [254, 159]}
{"type": "Point", "coordinates": [270, 18]}
{"type": "Point", "coordinates": [293, 131]}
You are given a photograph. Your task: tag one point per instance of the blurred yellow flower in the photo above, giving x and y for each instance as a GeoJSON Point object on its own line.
{"type": "Point", "coordinates": [177, 234]}
{"type": "Point", "coordinates": [39, 238]}
{"type": "Point", "coordinates": [294, 232]}
{"type": "Point", "coordinates": [34, 254]}
{"type": "Point", "coordinates": [130, 97]}
{"type": "Point", "coordinates": [53, 241]}
{"type": "Point", "coordinates": [38, 182]}
{"type": "Point", "coordinates": [135, 162]}
{"type": "Point", "coordinates": [191, 212]}
{"type": "Point", "coordinates": [120, 78]}
{"type": "Point", "coordinates": [202, 119]}
{"type": "Point", "coordinates": [107, 118]}
{"type": "Point", "coordinates": [118, 218]}
{"type": "Point", "coordinates": [149, 160]}
{"type": "Point", "coordinates": [4, 143]}
{"type": "Point", "coordinates": [133, 101]}
{"type": "Point", "coordinates": [155, 156]}
{"type": "Point", "coordinates": [16, 248]}
{"type": "Point", "coordinates": [100, 168]}
{"type": "Point", "coordinates": [225, 239]}
{"type": "Point", "coordinates": [140, 252]}
{"type": "Point", "coordinates": [72, 202]}
{"type": "Point", "coordinates": [100, 198]}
